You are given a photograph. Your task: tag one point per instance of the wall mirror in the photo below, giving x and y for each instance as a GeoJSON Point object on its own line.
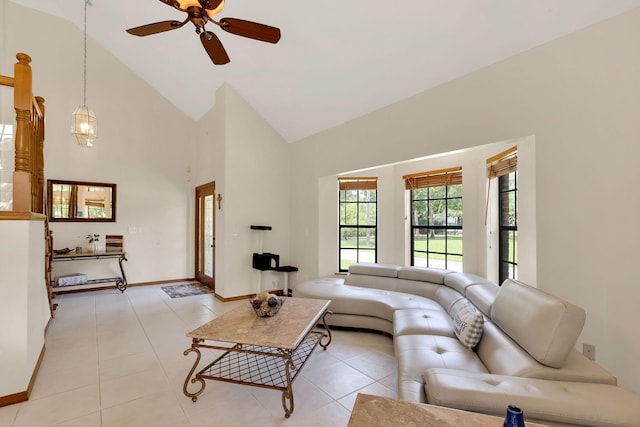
{"type": "Point", "coordinates": [81, 201]}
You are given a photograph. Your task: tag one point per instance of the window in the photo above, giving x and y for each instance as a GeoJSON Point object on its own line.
{"type": "Point", "coordinates": [503, 169]}
{"type": "Point", "coordinates": [358, 221]}
{"type": "Point", "coordinates": [436, 218]}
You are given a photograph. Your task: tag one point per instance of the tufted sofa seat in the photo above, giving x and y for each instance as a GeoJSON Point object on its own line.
{"type": "Point", "coordinates": [525, 355]}
{"type": "Point", "coordinates": [360, 307]}
{"type": "Point", "coordinates": [554, 403]}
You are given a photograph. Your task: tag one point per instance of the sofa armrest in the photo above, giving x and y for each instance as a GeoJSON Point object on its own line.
{"type": "Point", "coordinates": [572, 403]}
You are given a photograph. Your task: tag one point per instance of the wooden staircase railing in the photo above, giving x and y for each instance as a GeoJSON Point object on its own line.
{"type": "Point", "coordinates": [28, 195]}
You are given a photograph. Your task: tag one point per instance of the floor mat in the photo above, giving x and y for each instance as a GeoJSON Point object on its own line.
{"type": "Point", "coordinates": [186, 290]}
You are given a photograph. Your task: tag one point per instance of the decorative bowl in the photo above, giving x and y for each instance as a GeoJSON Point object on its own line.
{"type": "Point", "coordinates": [267, 307]}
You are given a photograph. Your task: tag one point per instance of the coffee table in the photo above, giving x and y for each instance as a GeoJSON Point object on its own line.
{"type": "Point", "coordinates": [264, 351]}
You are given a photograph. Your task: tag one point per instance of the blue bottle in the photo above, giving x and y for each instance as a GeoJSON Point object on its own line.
{"type": "Point", "coordinates": [514, 418]}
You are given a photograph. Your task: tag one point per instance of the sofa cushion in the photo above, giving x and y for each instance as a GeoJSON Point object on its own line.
{"type": "Point", "coordinates": [373, 282]}
{"type": "Point", "coordinates": [371, 269]}
{"type": "Point", "coordinates": [563, 402]}
{"type": "Point", "coordinates": [416, 353]}
{"type": "Point", "coordinates": [501, 355]}
{"type": "Point", "coordinates": [482, 295]}
{"type": "Point", "coordinates": [422, 321]}
{"type": "Point", "coordinates": [467, 323]}
{"type": "Point", "coordinates": [461, 281]}
{"type": "Point", "coordinates": [414, 287]}
{"type": "Point", "coordinates": [423, 274]}
{"type": "Point", "coordinates": [546, 326]}
{"type": "Point", "coordinates": [447, 297]}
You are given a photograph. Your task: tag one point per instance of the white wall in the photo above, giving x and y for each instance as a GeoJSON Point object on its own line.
{"type": "Point", "coordinates": [209, 166]}
{"type": "Point", "coordinates": [24, 306]}
{"type": "Point", "coordinates": [257, 193]}
{"type": "Point", "coordinates": [579, 98]}
{"type": "Point", "coordinates": [144, 145]}
{"type": "Point", "coordinates": [249, 162]}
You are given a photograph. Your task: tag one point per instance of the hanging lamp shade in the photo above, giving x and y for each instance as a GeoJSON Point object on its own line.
{"type": "Point", "coordinates": [84, 126]}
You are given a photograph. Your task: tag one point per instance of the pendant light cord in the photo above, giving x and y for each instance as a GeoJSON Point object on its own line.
{"type": "Point", "coordinates": [84, 99]}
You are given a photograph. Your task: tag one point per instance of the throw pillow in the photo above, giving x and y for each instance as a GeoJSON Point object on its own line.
{"type": "Point", "coordinates": [468, 324]}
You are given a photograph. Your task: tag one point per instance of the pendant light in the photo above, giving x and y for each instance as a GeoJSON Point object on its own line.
{"type": "Point", "coordinates": [84, 126]}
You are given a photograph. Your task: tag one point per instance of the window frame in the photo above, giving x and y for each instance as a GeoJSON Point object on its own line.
{"type": "Point", "coordinates": [503, 168]}
{"type": "Point", "coordinates": [446, 178]}
{"type": "Point", "coordinates": [358, 184]}
{"type": "Point", "coordinates": [507, 233]}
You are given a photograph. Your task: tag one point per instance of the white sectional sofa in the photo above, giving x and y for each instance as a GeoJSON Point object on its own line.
{"type": "Point", "coordinates": [462, 341]}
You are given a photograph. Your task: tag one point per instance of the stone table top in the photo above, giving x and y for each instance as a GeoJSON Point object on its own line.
{"type": "Point", "coordinates": [285, 330]}
{"type": "Point", "coordinates": [378, 411]}
{"type": "Point", "coordinates": [74, 255]}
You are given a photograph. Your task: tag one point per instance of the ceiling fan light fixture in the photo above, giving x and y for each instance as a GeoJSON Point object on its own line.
{"type": "Point", "coordinates": [185, 4]}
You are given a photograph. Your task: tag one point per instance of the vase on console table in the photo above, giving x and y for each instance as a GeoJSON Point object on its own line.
{"type": "Point", "coordinates": [514, 418]}
{"type": "Point", "coordinates": [94, 243]}
{"type": "Point", "coordinates": [93, 247]}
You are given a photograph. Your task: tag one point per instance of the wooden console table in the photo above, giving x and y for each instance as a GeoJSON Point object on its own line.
{"type": "Point", "coordinates": [120, 281]}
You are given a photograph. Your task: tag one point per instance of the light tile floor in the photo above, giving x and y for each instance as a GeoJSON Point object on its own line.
{"type": "Point", "coordinates": [116, 359]}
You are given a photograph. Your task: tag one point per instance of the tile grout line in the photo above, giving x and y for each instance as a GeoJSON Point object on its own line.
{"type": "Point", "coordinates": [95, 315]}
{"type": "Point", "coordinates": [157, 291]}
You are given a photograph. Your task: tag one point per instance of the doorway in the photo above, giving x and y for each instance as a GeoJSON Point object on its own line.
{"type": "Point", "coordinates": [205, 241]}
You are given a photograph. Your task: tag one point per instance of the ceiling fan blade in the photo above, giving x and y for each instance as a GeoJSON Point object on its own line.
{"type": "Point", "coordinates": [155, 28]}
{"type": "Point", "coordinates": [249, 29]}
{"type": "Point", "coordinates": [214, 48]}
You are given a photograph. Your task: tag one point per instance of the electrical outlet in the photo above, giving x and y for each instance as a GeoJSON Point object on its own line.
{"type": "Point", "coordinates": [589, 350]}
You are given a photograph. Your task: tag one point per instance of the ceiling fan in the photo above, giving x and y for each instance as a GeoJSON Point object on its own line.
{"type": "Point", "coordinates": [199, 13]}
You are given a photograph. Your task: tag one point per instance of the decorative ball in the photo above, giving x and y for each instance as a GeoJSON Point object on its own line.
{"type": "Point", "coordinates": [266, 304]}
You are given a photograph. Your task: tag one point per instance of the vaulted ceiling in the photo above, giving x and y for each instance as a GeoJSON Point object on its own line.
{"type": "Point", "coordinates": [333, 64]}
